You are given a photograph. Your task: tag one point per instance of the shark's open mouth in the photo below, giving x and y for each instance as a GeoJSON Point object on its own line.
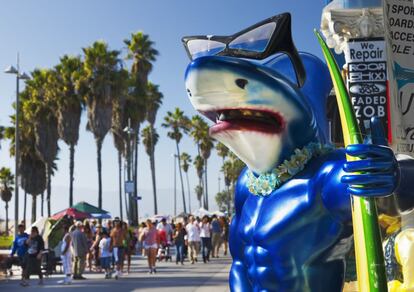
{"type": "Point", "coordinates": [246, 119]}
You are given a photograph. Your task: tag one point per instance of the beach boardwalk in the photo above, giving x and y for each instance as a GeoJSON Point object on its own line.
{"type": "Point", "coordinates": [170, 277]}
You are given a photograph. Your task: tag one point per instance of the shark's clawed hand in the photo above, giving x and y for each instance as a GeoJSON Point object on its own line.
{"type": "Point", "coordinates": [375, 174]}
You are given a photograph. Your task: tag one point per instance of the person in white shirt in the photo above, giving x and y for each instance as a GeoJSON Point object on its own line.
{"type": "Point", "coordinates": [193, 238]}
{"type": "Point", "coordinates": [66, 257]}
{"type": "Point", "coordinates": [205, 234]}
{"type": "Point", "coordinates": [105, 253]}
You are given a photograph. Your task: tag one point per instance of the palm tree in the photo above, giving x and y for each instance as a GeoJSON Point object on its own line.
{"type": "Point", "coordinates": [185, 164]}
{"type": "Point", "coordinates": [223, 152]}
{"type": "Point", "coordinates": [141, 50]}
{"type": "Point", "coordinates": [40, 108]}
{"type": "Point", "coordinates": [96, 86]}
{"type": "Point", "coordinates": [205, 148]}
{"type": "Point", "coordinates": [154, 101]}
{"type": "Point", "coordinates": [222, 199]}
{"type": "Point", "coordinates": [199, 166]}
{"type": "Point", "coordinates": [33, 178]}
{"type": "Point", "coordinates": [119, 123]}
{"type": "Point", "coordinates": [198, 130]}
{"type": "Point", "coordinates": [69, 107]}
{"type": "Point", "coordinates": [135, 113]}
{"type": "Point", "coordinates": [150, 139]}
{"type": "Point", "coordinates": [199, 192]}
{"type": "Point", "coordinates": [199, 133]}
{"type": "Point", "coordinates": [2, 134]}
{"type": "Point", "coordinates": [231, 170]}
{"type": "Point", "coordinates": [177, 122]}
{"type": "Point", "coordinates": [6, 188]}
{"type": "Point", "coordinates": [31, 168]}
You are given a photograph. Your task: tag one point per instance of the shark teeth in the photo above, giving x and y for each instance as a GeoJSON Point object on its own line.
{"type": "Point", "coordinates": [229, 114]}
{"type": "Point", "coordinates": [248, 115]}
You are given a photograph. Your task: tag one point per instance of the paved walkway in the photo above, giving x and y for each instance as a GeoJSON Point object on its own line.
{"type": "Point", "coordinates": [170, 277]}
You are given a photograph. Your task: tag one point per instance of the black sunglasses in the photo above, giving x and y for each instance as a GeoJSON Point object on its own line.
{"type": "Point", "coordinates": [258, 42]}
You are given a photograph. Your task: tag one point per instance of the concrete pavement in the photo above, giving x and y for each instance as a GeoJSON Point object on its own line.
{"type": "Point", "coordinates": [170, 277]}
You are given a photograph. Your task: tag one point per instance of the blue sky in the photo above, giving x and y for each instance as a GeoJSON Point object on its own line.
{"type": "Point", "coordinates": [43, 30]}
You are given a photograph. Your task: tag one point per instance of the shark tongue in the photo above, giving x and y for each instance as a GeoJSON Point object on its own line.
{"type": "Point", "coordinates": [248, 120]}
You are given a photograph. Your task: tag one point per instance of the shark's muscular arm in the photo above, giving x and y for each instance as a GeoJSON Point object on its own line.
{"type": "Point", "coordinates": [383, 174]}
{"type": "Point", "coordinates": [238, 274]}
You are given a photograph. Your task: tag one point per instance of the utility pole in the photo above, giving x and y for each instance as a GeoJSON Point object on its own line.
{"type": "Point", "coordinates": [175, 184]}
{"type": "Point", "coordinates": [22, 76]}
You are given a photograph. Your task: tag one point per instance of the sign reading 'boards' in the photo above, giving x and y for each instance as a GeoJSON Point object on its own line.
{"type": "Point", "coordinates": [399, 31]}
{"type": "Point", "coordinates": [367, 80]}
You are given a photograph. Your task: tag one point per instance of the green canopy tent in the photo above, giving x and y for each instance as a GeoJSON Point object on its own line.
{"type": "Point", "coordinates": [94, 211]}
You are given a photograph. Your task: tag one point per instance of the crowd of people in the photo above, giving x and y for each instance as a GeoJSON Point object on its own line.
{"type": "Point", "coordinates": [106, 248]}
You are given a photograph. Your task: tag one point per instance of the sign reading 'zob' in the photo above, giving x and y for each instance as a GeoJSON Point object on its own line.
{"type": "Point", "coordinates": [367, 80]}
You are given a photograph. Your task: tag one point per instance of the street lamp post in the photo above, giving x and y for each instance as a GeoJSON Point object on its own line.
{"type": "Point", "coordinates": [175, 184]}
{"type": "Point", "coordinates": [22, 76]}
{"type": "Point", "coordinates": [129, 131]}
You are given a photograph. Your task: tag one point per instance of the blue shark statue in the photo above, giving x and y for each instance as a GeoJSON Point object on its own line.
{"type": "Point", "coordinates": [292, 223]}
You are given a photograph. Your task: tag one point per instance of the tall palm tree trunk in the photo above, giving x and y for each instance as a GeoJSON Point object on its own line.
{"type": "Point", "coordinates": [24, 207]}
{"type": "Point", "coordinates": [135, 201]}
{"type": "Point", "coordinates": [49, 189]}
{"type": "Point", "coordinates": [181, 177]}
{"type": "Point", "coordinates": [189, 193]}
{"type": "Point", "coordinates": [71, 170]}
{"type": "Point", "coordinates": [129, 175]}
{"type": "Point", "coordinates": [34, 208]}
{"type": "Point", "coordinates": [206, 185]}
{"type": "Point", "coordinates": [125, 193]}
{"type": "Point", "coordinates": [7, 218]}
{"type": "Point", "coordinates": [201, 184]}
{"type": "Point", "coordinates": [42, 198]}
{"type": "Point", "coordinates": [120, 184]}
{"type": "Point", "coordinates": [99, 161]}
{"type": "Point", "coordinates": [228, 199]}
{"type": "Point", "coordinates": [232, 197]}
{"type": "Point", "coordinates": [154, 185]}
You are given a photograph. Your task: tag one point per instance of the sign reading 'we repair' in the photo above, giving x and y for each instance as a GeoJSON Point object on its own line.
{"type": "Point", "coordinates": [367, 80]}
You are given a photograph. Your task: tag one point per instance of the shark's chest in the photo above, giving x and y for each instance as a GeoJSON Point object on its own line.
{"type": "Point", "coordinates": [292, 218]}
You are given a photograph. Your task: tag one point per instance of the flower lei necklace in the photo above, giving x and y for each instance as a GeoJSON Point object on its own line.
{"type": "Point", "coordinates": [266, 183]}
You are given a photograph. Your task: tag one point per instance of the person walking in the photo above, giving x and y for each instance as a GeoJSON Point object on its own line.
{"type": "Point", "coordinates": [193, 238]}
{"type": "Point", "coordinates": [90, 238]}
{"type": "Point", "coordinates": [95, 248]}
{"type": "Point", "coordinates": [168, 229]}
{"type": "Point", "coordinates": [80, 249]}
{"type": "Point", "coordinates": [205, 235]}
{"type": "Point", "coordinates": [117, 243]}
{"type": "Point", "coordinates": [19, 247]}
{"type": "Point", "coordinates": [140, 232]}
{"type": "Point", "coordinates": [105, 254]}
{"type": "Point", "coordinates": [225, 227]}
{"type": "Point", "coordinates": [35, 246]}
{"type": "Point", "coordinates": [215, 236]}
{"type": "Point", "coordinates": [129, 246]}
{"type": "Point", "coordinates": [151, 242]}
{"type": "Point", "coordinates": [66, 257]}
{"type": "Point", "coordinates": [179, 241]}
